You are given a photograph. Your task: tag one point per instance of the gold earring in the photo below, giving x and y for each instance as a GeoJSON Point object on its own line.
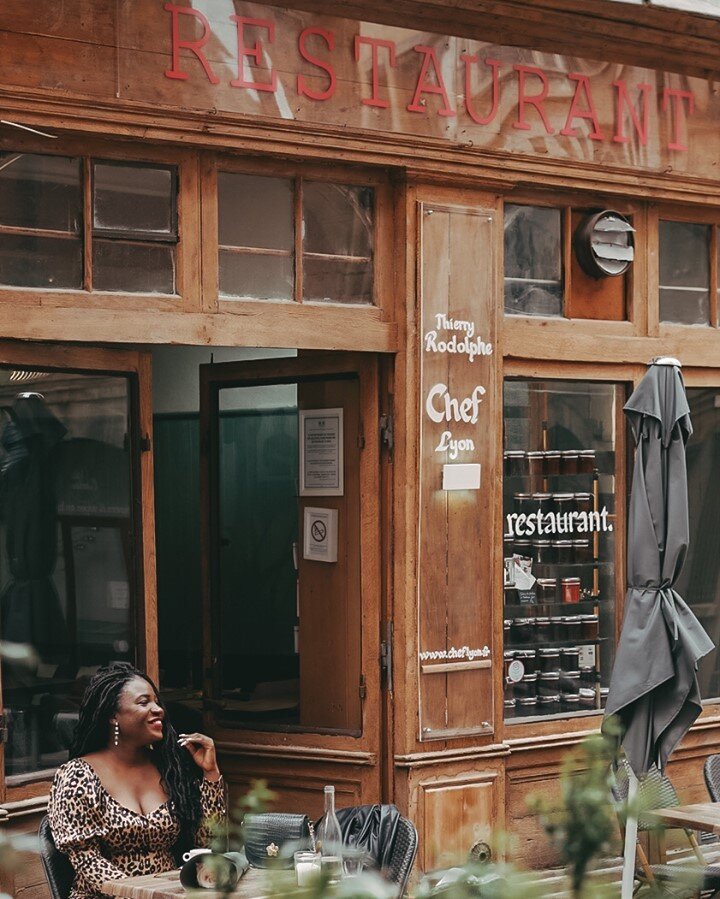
{"type": "Point", "coordinates": [116, 738]}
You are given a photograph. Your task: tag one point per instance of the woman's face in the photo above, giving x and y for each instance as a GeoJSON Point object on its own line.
{"type": "Point", "coordinates": [139, 716]}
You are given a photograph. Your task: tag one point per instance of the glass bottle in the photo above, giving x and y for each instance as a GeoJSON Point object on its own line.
{"type": "Point", "coordinates": [330, 837]}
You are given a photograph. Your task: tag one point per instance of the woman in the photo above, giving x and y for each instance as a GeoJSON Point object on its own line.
{"type": "Point", "coordinates": [133, 796]}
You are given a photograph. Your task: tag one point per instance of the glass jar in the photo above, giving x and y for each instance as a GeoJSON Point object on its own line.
{"type": "Point", "coordinates": [522, 503]}
{"type": "Point", "coordinates": [570, 658]}
{"type": "Point", "coordinates": [544, 554]}
{"type": "Point", "coordinates": [506, 630]}
{"type": "Point", "coordinates": [536, 465]}
{"type": "Point", "coordinates": [573, 624]}
{"type": "Point", "coordinates": [548, 660]}
{"type": "Point", "coordinates": [511, 596]}
{"type": "Point", "coordinates": [510, 708]}
{"type": "Point", "coordinates": [564, 502]}
{"type": "Point", "coordinates": [569, 460]}
{"type": "Point", "coordinates": [590, 627]}
{"type": "Point", "coordinates": [583, 502]}
{"type": "Point", "coordinates": [528, 658]}
{"type": "Point", "coordinates": [570, 590]}
{"type": "Point", "coordinates": [515, 463]}
{"type": "Point", "coordinates": [527, 706]}
{"type": "Point", "coordinates": [558, 627]}
{"type": "Point", "coordinates": [587, 698]}
{"type": "Point", "coordinates": [524, 548]}
{"type": "Point", "coordinates": [604, 692]}
{"type": "Point", "coordinates": [588, 674]}
{"type": "Point", "coordinates": [563, 552]}
{"type": "Point", "coordinates": [570, 702]}
{"type": "Point", "coordinates": [548, 705]}
{"type": "Point", "coordinates": [546, 589]}
{"type": "Point", "coordinates": [526, 686]}
{"type": "Point", "coordinates": [570, 682]}
{"type": "Point", "coordinates": [582, 550]}
{"type": "Point", "coordinates": [548, 683]}
{"type": "Point", "coordinates": [520, 630]}
{"type": "Point", "coordinates": [586, 461]}
{"type": "Point", "coordinates": [543, 503]}
{"type": "Point", "coordinates": [552, 463]}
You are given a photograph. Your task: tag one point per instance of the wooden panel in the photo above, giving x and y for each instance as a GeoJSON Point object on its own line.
{"type": "Point", "coordinates": [594, 298]}
{"type": "Point", "coordinates": [456, 814]}
{"type": "Point", "coordinates": [458, 403]}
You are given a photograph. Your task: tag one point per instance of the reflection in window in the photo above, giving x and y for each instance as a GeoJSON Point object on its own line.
{"type": "Point", "coordinates": [66, 550]}
{"type": "Point", "coordinates": [699, 582]}
{"type": "Point", "coordinates": [533, 260]}
{"type": "Point", "coordinates": [684, 273]}
{"type": "Point", "coordinates": [559, 548]}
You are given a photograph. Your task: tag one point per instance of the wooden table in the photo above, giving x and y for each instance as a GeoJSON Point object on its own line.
{"type": "Point", "coordinates": [700, 816]}
{"type": "Point", "coordinates": [254, 884]}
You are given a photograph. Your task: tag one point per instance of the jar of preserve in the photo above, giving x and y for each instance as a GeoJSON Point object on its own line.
{"type": "Point", "coordinates": [507, 546]}
{"type": "Point", "coordinates": [527, 706]}
{"type": "Point", "coordinates": [582, 550]}
{"type": "Point", "coordinates": [573, 624]}
{"type": "Point", "coordinates": [543, 630]}
{"type": "Point", "coordinates": [564, 502]}
{"type": "Point", "coordinates": [548, 683]}
{"type": "Point", "coordinates": [563, 552]}
{"type": "Point", "coordinates": [586, 461]}
{"type": "Point", "coordinates": [570, 590]}
{"type": "Point", "coordinates": [583, 502]}
{"type": "Point", "coordinates": [506, 630]}
{"type": "Point", "coordinates": [588, 674]}
{"type": "Point", "coordinates": [570, 682]}
{"type": "Point", "coordinates": [546, 589]}
{"type": "Point", "coordinates": [511, 596]}
{"type": "Point", "coordinates": [570, 702]}
{"type": "Point", "coordinates": [590, 625]}
{"type": "Point", "coordinates": [548, 705]}
{"type": "Point", "coordinates": [552, 462]}
{"type": "Point", "coordinates": [515, 463]}
{"type": "Point", "coordinates": [558, 627]}
{"type": "Point", "coordinates": [569, 460]}
{"type": "Point", "coordinates": [536, 464]}
{"type": "Point", "coordinates": [570, 658]}
{"type": "Point", "coordinates": [520, 630]}
{"type": "Point", "coordinates": [543, 502]}
{"type": "Point", "coordinates": [604, 691]}
{"type": "Point", "coordinates": [510, 708]}
{"type": "Point", "coordinates": [526, 686]}
{"type": "Point", "coordinates": [542, 553]}
{"type": "Point", "coordinates": [528, 659]}
{"type": "Point", "coordinates": [522, 503]}
{"type": "Point", "coordinates": [548, 660]}
{"type": "Point", "coordinates": [524, 548]}
{"type": "Point", "coordinates": [587, 698]}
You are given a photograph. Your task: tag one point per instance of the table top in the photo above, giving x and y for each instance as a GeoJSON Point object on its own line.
{"type": "Point", "coordinates": [253, 885]}
{"type": "Point", "coordinates": [700, 816]}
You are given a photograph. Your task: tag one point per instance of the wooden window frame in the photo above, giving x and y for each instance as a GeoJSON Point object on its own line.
{"type": "Point", "coordinates": [91, 150]}
{"type": "Point", "coordinates": [380, 310]}
{"type": "Point", "coordinates": [136, 366]}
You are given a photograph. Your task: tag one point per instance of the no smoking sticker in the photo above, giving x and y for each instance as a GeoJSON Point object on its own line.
{"type": "Point", "coordinates": [320, 535]}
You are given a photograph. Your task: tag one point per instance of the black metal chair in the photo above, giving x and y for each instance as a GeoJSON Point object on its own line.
{"type": "Point", "coordinates": [656, 791]}
{"type": "Point", "coordinates": [711, 770]}
{"type": "Point", "coordinates": [58, 870]}
{"type": "Point", "coordinates": [403, 854]}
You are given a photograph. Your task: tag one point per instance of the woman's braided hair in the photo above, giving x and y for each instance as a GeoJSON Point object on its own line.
{"type": "Point", "coordinates": [179, 775]}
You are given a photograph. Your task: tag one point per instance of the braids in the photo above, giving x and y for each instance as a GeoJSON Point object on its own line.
{"type": "Point", "coordinates": [179, 775]}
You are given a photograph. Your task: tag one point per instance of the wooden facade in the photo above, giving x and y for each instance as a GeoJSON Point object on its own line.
{"type": "Point", "coordinates": [447, 129]}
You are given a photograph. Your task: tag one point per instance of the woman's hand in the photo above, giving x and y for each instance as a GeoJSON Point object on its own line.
{"type": "Point", "coordinates": [202, 752]}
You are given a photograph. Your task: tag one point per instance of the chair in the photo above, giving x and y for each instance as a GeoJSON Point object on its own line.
{"type": "Point", "coordinates": [402, 857]}
{"type": "Point", "coordinates": [711, 770]}
{"type": "Point", "coordinates": [656, 791]}
{"type": "Point", "coordinates": [58, 870]}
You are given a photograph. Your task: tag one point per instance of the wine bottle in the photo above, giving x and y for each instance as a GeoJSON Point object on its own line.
{"type": "Point", "coordinates": [330, 839]}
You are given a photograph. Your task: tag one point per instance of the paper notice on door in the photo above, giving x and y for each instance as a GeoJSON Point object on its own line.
{"type": "Point", "coordinates": [321, 452]}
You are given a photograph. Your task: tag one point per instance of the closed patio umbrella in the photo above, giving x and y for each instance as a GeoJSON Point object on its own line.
{"type": "Point", "coordinates": [654, 690]}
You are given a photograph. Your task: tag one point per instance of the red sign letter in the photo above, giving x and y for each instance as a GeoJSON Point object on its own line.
{"type": "Point", "coordinates": [255, 52]}
{"type": "Point", "coordinates": [373, 42]}
{"type": "Point", "coordinates": [582, 86]}
{"type": "Point", "coordinates": [624, 101]}
{"type": "Point", "coordinates": [302, 87]}
{"type": "Point", "coordinates": [677, 97]}
{"type": "Point", "coordinates": [195, 46]}
{"type": "Point", "coordinates": [427, 87]}
{"type": "Point", "coordinates": [495, 66]}
{"type": "Point", "coordinates": [536, 100]}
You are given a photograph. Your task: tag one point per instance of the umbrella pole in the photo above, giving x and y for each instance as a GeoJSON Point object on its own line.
{"type": "Point", "coordinates": [631, 825]}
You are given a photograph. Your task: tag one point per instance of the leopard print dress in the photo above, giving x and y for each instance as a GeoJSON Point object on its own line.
{"type": "Point", "coordinates": [104, 840]}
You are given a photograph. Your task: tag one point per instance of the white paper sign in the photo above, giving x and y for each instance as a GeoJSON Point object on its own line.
{"type": "Point", "coordinates": [320, 535]}
{"type": "Point", "coordinates": [321, 452]}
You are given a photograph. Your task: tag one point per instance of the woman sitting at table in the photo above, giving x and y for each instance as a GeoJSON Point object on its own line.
{"type": "Point", "coordinates": [134, 795]}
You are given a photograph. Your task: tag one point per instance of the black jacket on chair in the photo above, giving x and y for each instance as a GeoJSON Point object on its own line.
{"type": "Point", "coordinates": [58, 870]}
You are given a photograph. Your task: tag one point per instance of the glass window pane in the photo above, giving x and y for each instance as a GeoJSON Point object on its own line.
{"type": "Point", "coordinates": [337, 281]}
{"type": "Point", "coordinates": [684, 273]}
{"type": "Point", "coordinates": [66, 547]}
{"type": "Point", "coordinates": [559, 546]}
{"type": "Point", "coordinates": [254, 211]}
{"type": "Point", "coordinates": [134, 198]}
{"type": "Point", "coordinates": [40, 192]}
{"type": "Point", "coordinates": [699, 581]}
{"type": "Point", "coordinates": [131, 267]}
{"type": "Point", "coordinates": [533, 260]}
{"type": "Point", "coordinates": [338, 219]}
{"type": "Point", "coordinates": [49, 262]}
{"type": "Point", "coordinates": [256, 276]}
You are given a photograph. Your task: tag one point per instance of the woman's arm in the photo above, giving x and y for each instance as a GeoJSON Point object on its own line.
{"type": "Point", "coordinates": [212, 786]}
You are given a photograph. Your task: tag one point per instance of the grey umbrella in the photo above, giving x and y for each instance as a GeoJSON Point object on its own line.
{"type": "Point", "coordinates": [654, 689]}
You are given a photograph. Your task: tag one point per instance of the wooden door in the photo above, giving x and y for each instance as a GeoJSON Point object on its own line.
{"type": "Point", "coordinates": [291, 556]}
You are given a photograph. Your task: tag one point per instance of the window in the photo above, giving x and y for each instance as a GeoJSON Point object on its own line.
{"type": "Point", "coordinates": [542, 274]}
{"type": "Point", "coordinates": [685, 250]}
{"type": "Point", "coordinates": [262, 256]}
{"type": "Point", "coordinates": [132, 235]}
{"type": "Point", "coordinates": [66, 550]}
{"type": "Point", "coordinates": [559, 545]}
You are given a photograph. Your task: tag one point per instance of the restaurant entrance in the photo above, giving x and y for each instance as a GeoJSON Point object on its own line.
{"type": "Point", "coordinates": [291, 536]}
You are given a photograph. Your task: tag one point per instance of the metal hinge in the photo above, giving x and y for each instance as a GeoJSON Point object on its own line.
{"type": "Point", "coordinates": [363, 687]}
{"type": "Point", "coordinates": [145, 444]}
{"type": "Point", "coordinates": [4, 733]}
{"type": "Point", "coordinates": [387, 432]}
{"type": "Point", "coordinates": [386, 657]}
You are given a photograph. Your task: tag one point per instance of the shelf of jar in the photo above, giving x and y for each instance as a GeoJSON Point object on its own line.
{"type": "Point", "coordinates": [530, 719]}
{"type": "Point", "coordinates": [537, 609]}
{"type": "Point", "coordinates": [553, 644]}
{"type": "Point", "coordinates": [563, 474]}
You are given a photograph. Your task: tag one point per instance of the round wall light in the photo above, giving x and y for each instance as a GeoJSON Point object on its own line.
{"type": "Point", "coordinates": [604, 244]}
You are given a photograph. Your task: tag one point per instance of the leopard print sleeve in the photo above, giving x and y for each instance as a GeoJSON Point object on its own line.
{"type": "Point", "coordinates": [75, 814]}
{"type": "Point", "coordinates": [214, 810]}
